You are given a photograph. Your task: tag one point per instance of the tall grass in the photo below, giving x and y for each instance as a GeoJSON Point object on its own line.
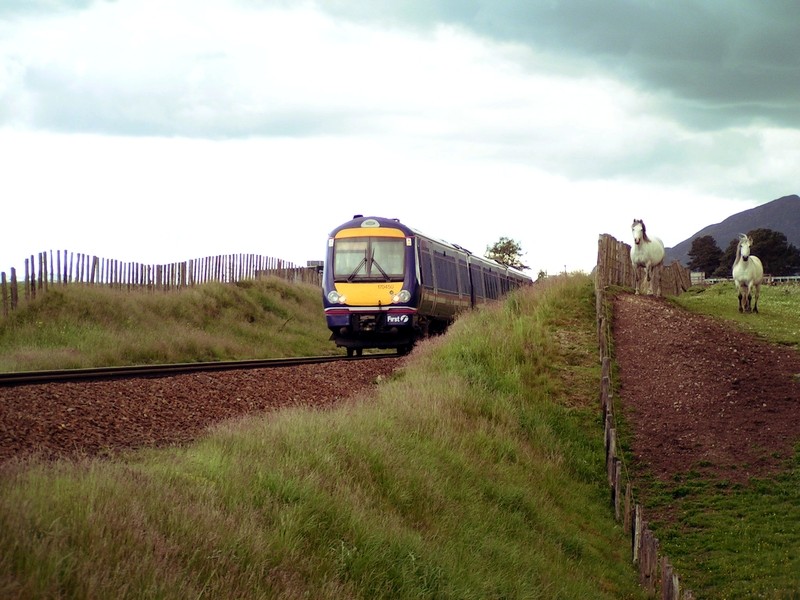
{"type": "Point", "coordinates": [475, 473]}
{"type": "Point", "coordinates": [91, 326]}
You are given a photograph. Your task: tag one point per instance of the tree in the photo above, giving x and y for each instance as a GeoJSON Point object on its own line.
{"type": "Point", "coordinates": [507, 252]}
{"type": "Point", "coordinates": [705, 254]}
{"type": "Point", "coordinates": [725, 268]}
{"type": "Point", "coordinates": [777, 255]}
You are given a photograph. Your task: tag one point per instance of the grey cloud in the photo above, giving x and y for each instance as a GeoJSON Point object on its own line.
{"type": "Point", "coordinates": [725, 63]}
{"type": "Point", "coordinates": [706, 65]}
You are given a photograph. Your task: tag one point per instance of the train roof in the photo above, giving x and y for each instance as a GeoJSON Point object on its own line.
{"type": "Point", "coordinates": [378, 222]}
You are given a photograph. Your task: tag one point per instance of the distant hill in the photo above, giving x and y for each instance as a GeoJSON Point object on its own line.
{"type": "Point", "coordinates": [781, 215]}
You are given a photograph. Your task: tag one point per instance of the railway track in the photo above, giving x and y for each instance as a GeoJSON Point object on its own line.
{"type": "Point", "coordinates": [166, 370]}
{"type": "Point", "coordinates": [90, 412]}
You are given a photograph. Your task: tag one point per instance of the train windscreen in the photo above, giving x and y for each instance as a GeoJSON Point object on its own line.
{"type": "Point", "coordinates": [368, 259]}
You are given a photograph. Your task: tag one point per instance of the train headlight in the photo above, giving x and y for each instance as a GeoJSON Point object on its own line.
{"type": "Point", "coordinates": [402, 296]}
{"type": "Point", "coordinates": [335, 297]}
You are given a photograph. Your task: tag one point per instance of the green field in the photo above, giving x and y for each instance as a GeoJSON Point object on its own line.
{"type": "Point", "coordinates": [778, 319]}
{"type": "Point", "coordinates": [477, 472]}
{"type": "Point", "coordinates": [79, 326]}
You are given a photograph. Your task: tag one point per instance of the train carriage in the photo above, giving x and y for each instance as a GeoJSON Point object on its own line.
{"type": "Point", "coordinates": [385, 285]}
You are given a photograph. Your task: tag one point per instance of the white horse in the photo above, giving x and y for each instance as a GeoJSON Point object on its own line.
{"type": "Point", "coordinates": [647, 253]}
{"type": "Point", "coordinates": [747, 275]}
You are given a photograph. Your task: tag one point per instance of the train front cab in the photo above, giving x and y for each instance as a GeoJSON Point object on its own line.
{"type": "Point", "coordinates": [369, 285]}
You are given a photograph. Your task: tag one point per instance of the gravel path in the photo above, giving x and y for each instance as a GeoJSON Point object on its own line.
{"type": "Point", "coordinates": [101, 417]}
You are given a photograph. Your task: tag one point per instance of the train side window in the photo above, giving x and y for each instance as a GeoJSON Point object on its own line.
{"type": "Point", "coordinates": [445, 266]}
{"type": "Point", "coordinates": [477, 281]}
{"type": "Point", "coordinates": [463, 277]}
{"type": "Point", "coordinates": [491, 285]}
{"type": "Point", "coordinates": [426, 269]}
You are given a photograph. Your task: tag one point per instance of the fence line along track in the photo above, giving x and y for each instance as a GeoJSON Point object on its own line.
{"type": "Point", "coordinates": [67, 268]}
{"type": "Point", "coordinates": [167, 370]}
{"type": "Point", "coordinates": [656, 573]}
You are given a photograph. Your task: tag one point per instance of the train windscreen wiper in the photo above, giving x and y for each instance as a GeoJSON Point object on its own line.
{"type": "Point", "coordinates": [354, 274]}
{"type": "Point", "coordinates": [378, 266]}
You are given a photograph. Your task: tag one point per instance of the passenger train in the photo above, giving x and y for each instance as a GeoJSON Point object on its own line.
{"type": "Point", "coordinates": [386, 285]}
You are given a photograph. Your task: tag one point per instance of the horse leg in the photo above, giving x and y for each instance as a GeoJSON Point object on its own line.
{"type": "Point", "coordinates": [741, 304]}
{"type": "Point", "coordinates": [636, 279]}
{"type": "Point", "coordinates": [748, 305]}
{"type": "Point", "coordinates": [657, 280]}
{"type": "Point", "coordinates": [755, 297]}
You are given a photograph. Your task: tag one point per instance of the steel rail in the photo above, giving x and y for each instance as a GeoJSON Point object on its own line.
{"type": "Point", "coordinates": [165, 370]}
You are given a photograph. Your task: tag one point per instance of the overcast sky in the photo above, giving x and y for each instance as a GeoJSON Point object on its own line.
{"type": "Point", "coordinates": [163, 130]}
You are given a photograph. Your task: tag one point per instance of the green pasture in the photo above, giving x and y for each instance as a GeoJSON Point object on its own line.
{"type": "Point", "coordinates": [778, 317]}
{"type": "Point", "coordinates": [477, 472]}
{"type": "Point", "coordinates": [79, 326]}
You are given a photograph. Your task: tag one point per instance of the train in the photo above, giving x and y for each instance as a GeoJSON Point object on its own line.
{"type": "Point", "coordinates": [386, 285]}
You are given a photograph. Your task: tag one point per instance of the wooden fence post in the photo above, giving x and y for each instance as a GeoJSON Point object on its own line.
{"type": "Point", "coordinates": [93, 272]}
{"type": "Point", "coordinates": [611, 454]}
{"type": "Point", "coordinates": [618, 500]}
{"type": "Point", "coordinates": [14, 290]}
{"type": "Point", "coordinates": [5, 293]}
{"type": "Point", "coordinates": [30, 284]}
{"type": "Point", "coordinates": [43, 271]}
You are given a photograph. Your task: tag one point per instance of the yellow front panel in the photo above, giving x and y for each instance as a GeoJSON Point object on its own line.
{"type": "Point", "coordinates": [370, 232]}
{"type": "Point", "coordinates": [369, 294]}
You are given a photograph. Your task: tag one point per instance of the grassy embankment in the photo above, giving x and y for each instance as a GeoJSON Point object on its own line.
{"type": "Point", "coordinates": [736, 541]}
{"type": "Point", "coordinates": [82, 326]}
{"type": "Point", "coordinates": [478, 472]}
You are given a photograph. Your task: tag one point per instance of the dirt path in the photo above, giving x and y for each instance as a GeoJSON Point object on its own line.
{"type": "Point", "coordinates": [702, 395]}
